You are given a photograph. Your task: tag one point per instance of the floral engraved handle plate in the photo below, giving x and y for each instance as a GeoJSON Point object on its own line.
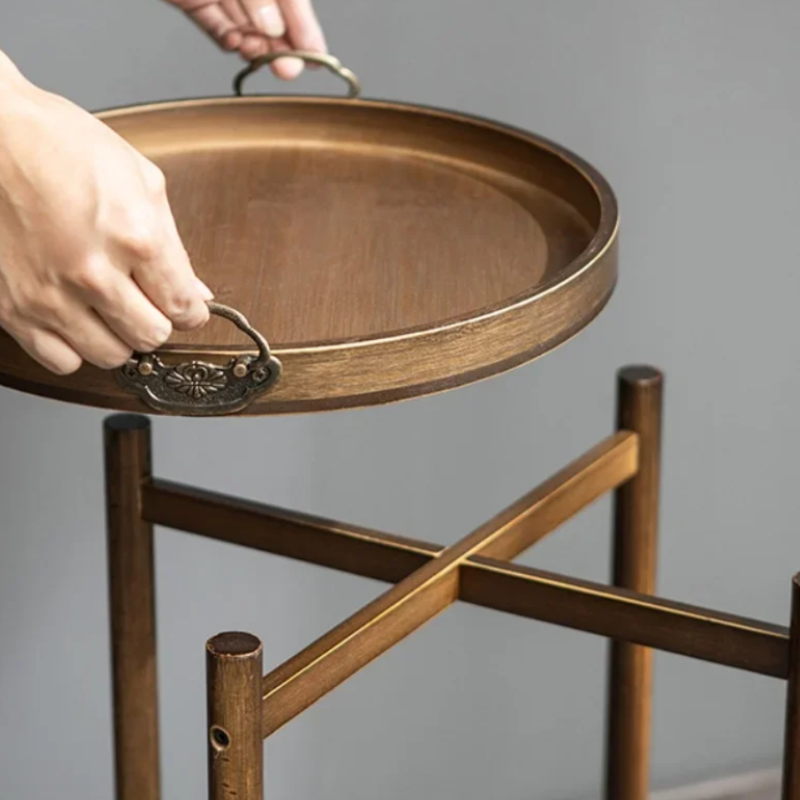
{"type": "Point", "coordinates": [197, 388]}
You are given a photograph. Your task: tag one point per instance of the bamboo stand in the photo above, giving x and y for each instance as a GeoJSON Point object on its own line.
{"type": "Point", "coordinates": [244, 708]}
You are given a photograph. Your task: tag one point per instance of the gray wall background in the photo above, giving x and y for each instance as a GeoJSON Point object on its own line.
{"type": "Point", "coordinates": [690, 109]}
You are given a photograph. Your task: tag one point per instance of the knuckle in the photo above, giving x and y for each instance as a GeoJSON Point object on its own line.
{"type": "Point", "coordinates": [20, 301]}
{"type": "Point", "coordinates": [43, 305]}
{"type": "Point", "coordinates": [152, 339]}
{"type": "Point", "coordinates": [140, 237]}
{"type": "Point", "coordinates": [91, 276]}
{"type": "Point", "coordinates": [113, 358]}
{"type": "Point", "coordinates": [142, 245]}
{"type": "Point", "coordinates": [180, 307]}
{"type": "Point", "coordinates": [195, 317]}
{"type": "Point", "coordinates": [154, 180]}
{"type": "Point", "coordinates": [8, 311]}
{"type": "Point", "coordinates": [56, 312]}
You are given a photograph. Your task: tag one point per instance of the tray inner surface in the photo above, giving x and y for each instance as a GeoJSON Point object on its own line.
{"type": "Point", "coordinates": [328, 223]}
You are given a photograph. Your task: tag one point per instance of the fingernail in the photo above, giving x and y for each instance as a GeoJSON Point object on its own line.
{"type": "Point", "coordinates": [206, 293]}
{"type": "Point", "coordinates": [272, 21]}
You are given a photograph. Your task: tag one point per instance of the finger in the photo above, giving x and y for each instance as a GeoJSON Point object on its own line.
{"type": "Point", "coordinates": [303, 30]}
{"type": "Point", "coordinates": [48, 348]}
{"type": "Point", "coordinates": [170, 284]}
{"type": "Point", "coordinates": [254, 46]}
{"type": "Point", "coordinates": [215, 21]}
{"type": "Point", "coordinates": [205, 292]}
{"type": "Point", "coordinates": [266, 17]}
{"type": "Point", "coordinates": [92, 339]}
{"type": "Point", "coordinates": [128, 313]}
{"type": "Point", "coordinates": [286, 69]}
{"type": "Point", "coordinates": [235, 10]}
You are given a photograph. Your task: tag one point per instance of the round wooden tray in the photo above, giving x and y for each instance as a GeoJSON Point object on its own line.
{"type": "Point", "coordinates": [383, 250]}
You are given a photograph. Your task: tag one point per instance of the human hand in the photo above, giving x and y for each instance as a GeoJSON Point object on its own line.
{"type": "Point", "coordinates": [91, 263]}
{"type": "Point", "coordinates": [258, 27]}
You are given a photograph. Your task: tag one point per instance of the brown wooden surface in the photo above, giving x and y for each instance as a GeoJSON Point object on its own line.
{"type": "Point", "coordinates": [322, 245]}
{"type": "Point", "coordinates": [791, 749]}
{"type": "Point", "coordinates": [640, 391]}
{"type": "Point", "coordinates": [623, 615]}
{"type": "Point", "coordinates": [235, 746]}
{"type": "Point", "coordinates": [132, 609]}
{"type": "Point", "coordinates": [385, 251]}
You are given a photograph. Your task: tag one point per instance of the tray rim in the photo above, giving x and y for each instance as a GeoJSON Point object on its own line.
{"type": "Point", "coordinates": [299, 407]}
{"type": "Point", "coordinates": [604, 236]}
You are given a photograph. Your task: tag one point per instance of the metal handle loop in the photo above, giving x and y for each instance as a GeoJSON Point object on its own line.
{"type": "Point", "coordinates": [323, 59]}
{"type": "Point", "coordinates": [199, 388]}
{"type": "Point", "coordinates": [240, 321]}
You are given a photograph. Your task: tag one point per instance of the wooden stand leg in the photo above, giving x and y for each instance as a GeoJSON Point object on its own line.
{"type": "Point", "coordinates": [791, 750]}
{"type": "Point", "coordinates": [132, 608]}
{"type": "Point", "coordinates": [235, 743]}
{"type": "Point", "coordinates": [640, 391]}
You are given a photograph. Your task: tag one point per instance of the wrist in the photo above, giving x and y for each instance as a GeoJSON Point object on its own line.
{"type": "Point", "coordinates": [17, 109]}
{"type": "Point", "coordinates": [10, 76]}
{"type": "Point", "coordinates": [17, 94]}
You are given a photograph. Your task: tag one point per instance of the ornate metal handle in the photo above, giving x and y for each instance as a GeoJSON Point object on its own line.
{"type": "Point", "coordinates": [198, 388]}
{"type": "Point", "coordinates": [324, 60]}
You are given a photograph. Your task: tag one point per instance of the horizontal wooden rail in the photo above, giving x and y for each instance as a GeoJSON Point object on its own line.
{"type": "Point", "coordinates": [373, 554]}
{"type": "Point", "coordinates": [687, 630]}
{"type": "Point", "coordinates": [291, 534]}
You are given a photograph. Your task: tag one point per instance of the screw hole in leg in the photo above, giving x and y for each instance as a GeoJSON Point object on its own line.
{"type": "Point", "coordinates": [220, 738]}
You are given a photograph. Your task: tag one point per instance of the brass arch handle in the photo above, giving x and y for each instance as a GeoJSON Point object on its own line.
{"type": "Point", "coordinates": [323, 59]}
{"type": "Point", "coordinates": [199, 388]}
